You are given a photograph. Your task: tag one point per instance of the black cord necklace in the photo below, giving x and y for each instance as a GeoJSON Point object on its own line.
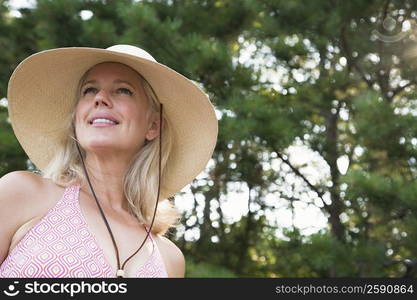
{"type": "Point", "coordinates": [120, 268]}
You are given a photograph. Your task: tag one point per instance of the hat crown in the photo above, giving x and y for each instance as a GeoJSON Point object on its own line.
{"type": "Point", "coordinates": [132, 50]}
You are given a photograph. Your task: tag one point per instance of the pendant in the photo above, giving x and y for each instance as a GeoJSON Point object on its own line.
{"type": "Point", "coordinates": [120, 273]}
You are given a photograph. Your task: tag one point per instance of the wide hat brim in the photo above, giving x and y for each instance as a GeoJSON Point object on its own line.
{"type": "Point", "coordinates": [41, 95]}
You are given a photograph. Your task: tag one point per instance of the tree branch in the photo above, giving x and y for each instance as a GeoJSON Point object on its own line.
{"type": "Point", "coordinates": [297, 172]}
{"type": "Point", "coordinates": [401, 88]}
{"type": "Point", "coordinates": [351, 61]}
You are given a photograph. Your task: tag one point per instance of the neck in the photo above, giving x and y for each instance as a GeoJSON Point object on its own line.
{"type": "Point", "coordinates": [106, 177]}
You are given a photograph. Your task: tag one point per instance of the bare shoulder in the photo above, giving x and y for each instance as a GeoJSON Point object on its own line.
{"type": "Point", "coordinates": [21, 175]}
{"type": "Point", "coordinates": [17, 190]}
{"type": "Point", "coordinates": [18, 184]}
{"type": "Point", "coordinates": [25, 185]}
{"type": "Point", "coordinates": [20, 193]}
{"type": "Point", "coordinates": [172, 255]}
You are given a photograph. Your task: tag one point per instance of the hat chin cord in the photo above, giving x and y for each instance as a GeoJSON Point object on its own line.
{"type": "Point", "coordinates": [120, 267]}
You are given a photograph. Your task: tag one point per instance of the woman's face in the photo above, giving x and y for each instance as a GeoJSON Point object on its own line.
{"type": "Point", "coordinates": [112, 111]}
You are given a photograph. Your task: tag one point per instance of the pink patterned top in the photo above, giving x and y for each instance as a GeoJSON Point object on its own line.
{"type": "Point", "coordinates": [60, 245]}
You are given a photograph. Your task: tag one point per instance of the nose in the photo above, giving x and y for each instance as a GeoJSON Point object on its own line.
{"type": "Point", "coordinates": [102, 98]}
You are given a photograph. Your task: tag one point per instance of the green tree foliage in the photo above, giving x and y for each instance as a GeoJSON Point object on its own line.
{"type": "Point", "coordinates": [337, 77]}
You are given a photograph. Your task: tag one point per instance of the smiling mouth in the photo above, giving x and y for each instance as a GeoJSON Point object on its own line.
{"type": "Point", "coordinates": [103, 122]}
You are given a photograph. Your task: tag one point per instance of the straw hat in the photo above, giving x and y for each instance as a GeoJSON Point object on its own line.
{"type": "Point", "coordinates": [42, 90]}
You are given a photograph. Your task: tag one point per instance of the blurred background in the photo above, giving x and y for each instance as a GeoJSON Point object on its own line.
{"type": "Point", "coordinates": [314, 172]}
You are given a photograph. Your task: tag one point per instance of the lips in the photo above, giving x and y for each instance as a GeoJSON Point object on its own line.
{"type": "Point", "coordinates": [103, 121]}
{"type": "Point", "coordinates": [103, 118]}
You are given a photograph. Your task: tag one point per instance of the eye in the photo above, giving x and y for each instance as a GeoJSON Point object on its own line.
{"type": "Point", "coordinates": [90, 90]}
{"type": "Point", "coordinates": [125, 91]}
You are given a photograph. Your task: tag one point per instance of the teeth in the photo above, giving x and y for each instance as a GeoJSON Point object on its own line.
{"type": "Point", "coordinates": [101, 120]}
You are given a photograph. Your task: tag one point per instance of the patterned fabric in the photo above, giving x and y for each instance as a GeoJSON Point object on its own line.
{"type": "Point", "coordinates": [61, 245]}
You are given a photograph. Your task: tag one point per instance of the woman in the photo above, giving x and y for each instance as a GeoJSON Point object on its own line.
{"type": "Point", "coordinates": [115, 134]}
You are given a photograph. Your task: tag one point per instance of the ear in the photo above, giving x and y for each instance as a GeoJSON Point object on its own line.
{"type": "Point", "coordinates": [153, 129]}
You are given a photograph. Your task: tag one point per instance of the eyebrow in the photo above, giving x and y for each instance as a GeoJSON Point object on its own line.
{"type": "Point", "coordinates": [116, 81]}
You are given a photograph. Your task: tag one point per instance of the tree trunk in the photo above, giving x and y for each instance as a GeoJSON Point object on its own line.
{"type": "Point", "coordinates": [331, 155]}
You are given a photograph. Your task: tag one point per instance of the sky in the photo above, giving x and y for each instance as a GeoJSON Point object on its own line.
{"type": "Point", "coordinates": [21, 3]}
{"type": "Point", "coordinates": [307, 217]}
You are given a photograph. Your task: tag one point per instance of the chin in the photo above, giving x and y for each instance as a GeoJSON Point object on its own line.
{"type": "Point", "coordinates": [101, 144]}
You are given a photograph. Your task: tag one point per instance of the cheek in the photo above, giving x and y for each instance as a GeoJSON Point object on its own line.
{"type": "Point", "coordinates": [79, 115]}
{"type": "Point", "coordinates": [137, 115]}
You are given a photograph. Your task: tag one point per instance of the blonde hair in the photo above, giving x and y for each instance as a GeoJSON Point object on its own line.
{"type": "Point", "coordinates": [140, 183]}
